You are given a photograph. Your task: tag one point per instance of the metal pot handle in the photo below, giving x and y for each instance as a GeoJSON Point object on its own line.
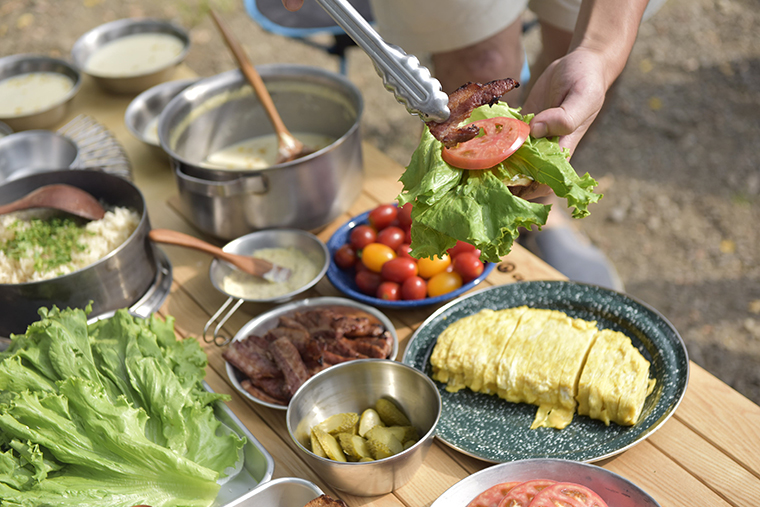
{"type": "Point", "coordinates": [257, 183]}
{"type": "Point", "coordinates": [217, 339]}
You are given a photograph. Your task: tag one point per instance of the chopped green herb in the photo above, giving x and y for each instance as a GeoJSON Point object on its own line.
{"type": "Point", "coordinates": [51, 242]}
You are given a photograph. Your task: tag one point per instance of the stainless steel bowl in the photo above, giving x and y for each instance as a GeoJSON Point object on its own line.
{"type": "Point", "coordinates": [116, 281]}
{"type": "Point", "coordinates": [96, 38]}
{"type": "Point", "coordinates": [306, 193]}
{"type": "Point", "coordinates": [353, 387]}
{"type": "Point", "coordinates": [34, 151]}
{"type": "Point", "coordinates": [269, 320]}
{"type": "Point", "coordinates": [16, 65]}
{"type": "Point", "coordinates": [282, 492]}
{"type": "Point", "coordinates": [141, 116]}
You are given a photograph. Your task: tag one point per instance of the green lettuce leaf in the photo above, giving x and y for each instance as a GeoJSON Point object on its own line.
{"type": "Point", "coordinates": [125, 422]}
{"type": "Point", "coordinates": [477, 207]}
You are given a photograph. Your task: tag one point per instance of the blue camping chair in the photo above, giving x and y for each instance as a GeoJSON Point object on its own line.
{"type": "Point", "coordinates": [311, 20]}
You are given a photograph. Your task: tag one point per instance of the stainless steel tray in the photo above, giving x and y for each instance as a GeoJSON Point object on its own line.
{"type": "Point", "coordinates": [257, 467]}
{"type": "Point", "coordinates": [284, 492]}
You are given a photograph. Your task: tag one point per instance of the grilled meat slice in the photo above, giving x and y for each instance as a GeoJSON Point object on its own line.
{"type": "Point", "coordinates": [461, 103]}
{"type": "Point", "coordinates": [251, 360]}
{"type": "Point", "coordinates": [325, 501]}
{"type": "Point", "coordinates": [286, 357]}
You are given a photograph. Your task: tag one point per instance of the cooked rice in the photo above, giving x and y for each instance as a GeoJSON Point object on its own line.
{"type": "Point", "coordinates": [102, 237]}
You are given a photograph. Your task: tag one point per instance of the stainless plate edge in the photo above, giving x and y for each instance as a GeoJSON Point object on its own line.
{"type": "Point", "coordinates": [282, 492]}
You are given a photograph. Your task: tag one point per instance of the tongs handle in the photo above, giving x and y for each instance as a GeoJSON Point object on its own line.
{"type": "Point", "coordinates": [411, 83]}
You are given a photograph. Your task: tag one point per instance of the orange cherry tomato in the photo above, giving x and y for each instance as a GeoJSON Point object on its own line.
{"type": "Point", "coordinates": [429, 267]}
{"type": "Point", "coordinates": [443, 283]}
{"type": "Point", "coordinates": [375, 255]}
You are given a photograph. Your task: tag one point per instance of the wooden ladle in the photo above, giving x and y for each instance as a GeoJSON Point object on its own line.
{"type": "Point", "coordinates": [250, 265]}
{"type": "Point", "coordinates": [61, 197]}
{"type": "Point", "coordinates": [288, 147]}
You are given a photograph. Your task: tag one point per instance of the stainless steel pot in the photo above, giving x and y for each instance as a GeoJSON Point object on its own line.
{"type": "Point", "coordinates": [306, 193]}
{"type": "Point", "coordinates": [115, 281]}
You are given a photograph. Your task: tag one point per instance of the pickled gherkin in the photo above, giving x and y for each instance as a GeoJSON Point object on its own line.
{"type": "Point", "coordinates": [329, 445]}
{"type": "Point", "coordinates": [390, 414]}
{"type": "Point", "coordinates": [369, 419]}
{"type": "Point", "coordinates": [339, 423]}
{"type": "Point", "coordinates": [316, 447]}
{"type": "Point", "coordinates": [354, 446]}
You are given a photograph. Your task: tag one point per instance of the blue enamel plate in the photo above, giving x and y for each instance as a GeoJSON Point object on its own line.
{"type": "Point", "coordinates": [495, 430]}
{"type": "Point", "coordinates": [343, 280]}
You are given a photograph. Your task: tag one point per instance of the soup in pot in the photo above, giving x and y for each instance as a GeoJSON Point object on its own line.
{"type": "Point", "coordinates": [259, 152]}
{"type": "Point", "coordinates": [134, 55]}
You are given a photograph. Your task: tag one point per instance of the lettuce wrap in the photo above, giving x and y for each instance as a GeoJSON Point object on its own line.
{"type": "Point", "coordinates": [477, 207]}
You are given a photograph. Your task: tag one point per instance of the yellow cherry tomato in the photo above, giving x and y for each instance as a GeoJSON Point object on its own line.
{"type": "Point", "coordinates": [443, 283]}
{"type": "Point", "coordinates": [429, 267]}
{"type": "Point", "coordinates": [375, 255]}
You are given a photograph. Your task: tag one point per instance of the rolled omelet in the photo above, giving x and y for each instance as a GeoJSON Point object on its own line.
{"type": "Point", "coordinates": [545, 358]}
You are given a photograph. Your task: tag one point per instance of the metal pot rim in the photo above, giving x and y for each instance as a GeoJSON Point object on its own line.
{"type": "Point", "coordinates": [275, 70]}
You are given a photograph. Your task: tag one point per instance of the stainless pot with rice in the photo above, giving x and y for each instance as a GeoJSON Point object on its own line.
{"type": "Point", "coordinates": [116, 280]}
{"type": "Point", "coordinates": [211, 131]}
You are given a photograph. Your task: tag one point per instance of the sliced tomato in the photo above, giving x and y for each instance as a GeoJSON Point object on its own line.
{"type": "Point", "coordinates": [493, 495]}
{"type": "Point", "coordinates": [523, 494]}
{"type": "Point", "coordinates": [501, 137]}
{"type": "Point", "coordinates": [567, 494]}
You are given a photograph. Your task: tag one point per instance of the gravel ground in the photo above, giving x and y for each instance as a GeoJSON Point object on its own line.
{"type": "Point", "coordinates": [675, 150]}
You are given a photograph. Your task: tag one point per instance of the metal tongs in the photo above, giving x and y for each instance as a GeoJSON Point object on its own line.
{"type": "Point", "coordinates": [411, 83]}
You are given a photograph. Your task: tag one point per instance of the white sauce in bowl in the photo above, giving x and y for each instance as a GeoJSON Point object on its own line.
{"type": "Point", "coordinates": [32, 92]}
{"type": "Point", "coordinates": [303, 270]}
{"type": "Point", "coordinates": [259, 152]}
{"type": "Point", "coordinates": [135, 54]}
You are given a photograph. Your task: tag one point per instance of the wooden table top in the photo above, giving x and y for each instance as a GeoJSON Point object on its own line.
{"type": "Point", "coordinates": [708, 453]}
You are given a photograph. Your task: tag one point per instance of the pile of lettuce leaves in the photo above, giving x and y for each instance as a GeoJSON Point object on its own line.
{"type": "Point", "coordinates": [476, 207]}
{"type": "Point", "coordinates": [110, 414]}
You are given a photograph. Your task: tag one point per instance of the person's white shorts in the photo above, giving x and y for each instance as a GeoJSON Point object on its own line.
{"type": "Point", "coordinates": [433, 26]}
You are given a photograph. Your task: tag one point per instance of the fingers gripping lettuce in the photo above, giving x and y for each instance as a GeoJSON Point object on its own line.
{"type": "Point", "coordinates": [477, 207]}
{"type": "Point", "coordinates": [112, 414]}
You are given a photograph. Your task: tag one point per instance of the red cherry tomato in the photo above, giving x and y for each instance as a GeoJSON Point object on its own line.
{"type": "Point", "coordinates": [382, 216]}
{"type": "Point", "coordinates": [391, 236]}
{"type": "Point", "coordinates": [390, 291]}
{"type": "Point", "coordinates": [462, 247]}
{"type": "Point", "coordinates": [467, 265]}
{"type": "Point", "coordinates": [403, 251]}
{"type": "Point", "coordinates": [566, 493]}
{"type": "Point", "coordinates": [443, 283]}
{"type": "Point", "coordinates": [408, 235]}
{"type": "Point", "coordinates": [345, 256]}
{"type": "Point", "coordinates": [522, 494]}
{"type": "Point", "coordinates": [361, 236]}
{"type": "Point", "coordinates": [413, 288]}
{"type": "Point", "coordinates": [399, 269]}
{"type": "Point", "coordinates": [375, 255]}
{"type": "Point", "coordinates": [493, 495]}
{"type": "Point", "coordinates": [405, 216]}
{"type": "Point", "coordinates": [503, 136]}
{"type": "Point", "coordinates": [368, 281]}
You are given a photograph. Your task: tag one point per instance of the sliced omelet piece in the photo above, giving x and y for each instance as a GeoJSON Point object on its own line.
{"type": "Point", "coordinates": [480, 374]}
{"type": "Point", "coordinates": [514, 362]}
{"type": "Point", "coordinates": [455, 347]}
{"type": "Point", "coordinates": [615, 380]}
{"type": "Point", "coordinates": [568, 343]}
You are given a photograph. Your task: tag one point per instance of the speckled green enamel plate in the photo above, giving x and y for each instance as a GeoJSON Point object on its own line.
{"type": "Point", "coordinates": [492, 429]}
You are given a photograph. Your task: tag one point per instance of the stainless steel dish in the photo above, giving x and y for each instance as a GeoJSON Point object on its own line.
{"type": "Point", "coordinates": [96, 38]}
{"type": "Point", "coordinates": [5, 130]}
{"type": "Point", "coordinates": [283, 492]}
{"type": "Point", "coordinates": [306, 193]}
{"type": "Point", "coordinates": [268, 320]}
{"type": "Point", "coordinates": [615, 490]}
{"type": "Point", "coordinates": [34, 151]}
{"type": "Point", "coordinates": [116, 281]}
{"type": "Point", "coordinates": [304, 241]}
{"type": "Point", "coordinates": [353, 387]}
{"type": "Point", "coordinates": [141, 116]}
{"type": "Point", "coordinates": [26, 63]}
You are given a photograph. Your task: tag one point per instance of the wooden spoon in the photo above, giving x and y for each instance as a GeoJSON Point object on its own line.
{"type": "Point", "coordinates": [250, 265]}
{"type": "Point", "coordinates": [61, 197]}
{"type": "Point", "coordinates": [288, 147]}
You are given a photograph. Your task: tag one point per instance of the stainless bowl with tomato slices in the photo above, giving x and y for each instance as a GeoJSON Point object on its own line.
{"type": "Point", "coordinates": [587, 483]}
{"type": "Point", "coordinates": [345, 279]}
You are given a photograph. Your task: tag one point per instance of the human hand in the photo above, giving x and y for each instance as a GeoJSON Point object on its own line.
{"type": "Point", "coordinates": [567, 97]}
{"type": "Point", "coordinates": [292, 5]}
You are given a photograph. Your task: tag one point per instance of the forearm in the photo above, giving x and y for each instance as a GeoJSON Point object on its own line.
{"type": "Point", "coordinates": [609, 28]}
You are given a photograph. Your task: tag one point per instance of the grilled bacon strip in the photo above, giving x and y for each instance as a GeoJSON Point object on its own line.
{"type": "Point", "coordinates": [461, 104]}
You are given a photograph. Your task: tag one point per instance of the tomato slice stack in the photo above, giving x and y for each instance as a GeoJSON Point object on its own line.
{"type": "Point", "coordinates": [538, 493]}
{"type": "Point", "coordinates": [501, 138]}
